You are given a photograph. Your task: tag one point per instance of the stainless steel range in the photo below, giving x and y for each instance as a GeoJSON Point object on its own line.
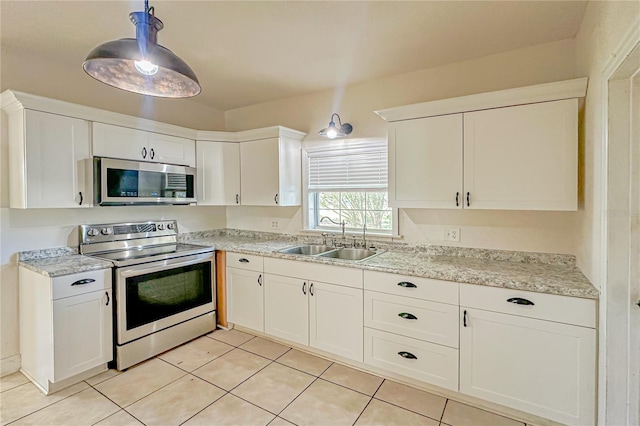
{"type": "Point", "coordinates": [164, 290]}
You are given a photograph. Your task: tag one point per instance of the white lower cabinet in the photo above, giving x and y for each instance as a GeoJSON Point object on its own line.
{"type": "Point", "coordinates": [66, 332]}
{"type": "Point", "coordinates": [543, 367]}
{"type": "Point", "coordinates": [417, 359]}
{"type": "Point", "coordinates": [286, 308]}
{"type": "Point", "coordinates": [245, 294]}
{"type": "Point", "coordinates": [301, 309]}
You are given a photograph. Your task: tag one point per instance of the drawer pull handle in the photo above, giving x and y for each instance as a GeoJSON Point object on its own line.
{"type": "Point", "coordinates": [243, 260]}
{"type": "Point", "coordinates": [468, 202]}
{"type": "Point", "coordinates": [407, 355]}
{"type": "Point", "coordinates": [464, 318]}
{"type": "Point", "coordinates": [108, 299]}
{"type": "Point", "coordinates": [260, 279]}
{"type": "Point", "coordinates": [304, 288]}
{"type": "Point", "coordinates": [311, 289]}
{"type": "Point", "coordinates": [520, 301]}
{"type": "Point", "coordinates": [408, 316]}
{"type": "Point", "coordinates": [407, 284]}
{"type": "Point", "coordinates": [84, 281]}
{"type": "Point", "coordinates": [457, 195]}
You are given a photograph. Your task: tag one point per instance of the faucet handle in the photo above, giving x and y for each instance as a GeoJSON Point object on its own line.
{"type": "Point", "coordinates": [324, 238]}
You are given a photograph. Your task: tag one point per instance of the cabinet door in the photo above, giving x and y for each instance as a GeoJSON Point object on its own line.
{"type": "Point", "coordinates": [245, 298]}
{"type": "Point", "coordinates": [82, 333]}
{"type": "Point", "coordinates": [56, 147]}
{"type": "Point", "coordinates": [120, 142]}
{"type": "Point", "coordinates": [335, 319]}
{"type": "Point", "coordinates": [290, 172]}
{"type": "Point", "coordinates": [522, 157]}
{"type": "Point", "coordinates": [171, 150]}
{"type": "Point", "coordinates": [259, 172]}
{"type": "Point", "coordinates": [286, 311]}
{"type": "Point", "coordinates": [425, 162]}
{"type": "Point", "coordinates": [218, 165]}
{"type": "Point", "coordinates": [542, 367]}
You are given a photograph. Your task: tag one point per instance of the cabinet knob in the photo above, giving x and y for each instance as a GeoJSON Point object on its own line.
{"type": "Point", "coordinates": [408, 316]}
{"type": "Point", "coordinates": [520, 301]}
{"type": "Point", "coordinates": [407, 355]}
{"type": "Point", "coordinates": [407, 284]}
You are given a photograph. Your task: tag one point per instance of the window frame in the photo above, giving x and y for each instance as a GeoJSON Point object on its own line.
{"type": "Point", "coordinates": [307, 202]}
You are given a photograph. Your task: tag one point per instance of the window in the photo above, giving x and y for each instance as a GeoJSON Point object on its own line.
{"type": "Point", "coordinates": [349, 183]}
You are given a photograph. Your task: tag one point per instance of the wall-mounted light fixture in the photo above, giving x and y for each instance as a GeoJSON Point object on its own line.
{"type": "Point", "coordinates": [333, 132]}
{"type": "Point", "coordinates": [141, 65]}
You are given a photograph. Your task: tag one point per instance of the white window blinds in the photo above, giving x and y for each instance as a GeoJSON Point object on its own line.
{"type": "Point", "coordinates": [356, 169]}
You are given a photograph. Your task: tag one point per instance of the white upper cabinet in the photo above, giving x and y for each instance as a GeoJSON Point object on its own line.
{"type": "Point", "coordinates": [271, 171]}
{"type": "Point", "coordinates": [46, 160]}
{"type": "Point", "coordinates": [425, 162]}
{"type": "Point", "coordinates": [133, 144]}
{"type": "Point", "coordinates": [514, 149]}
{"type": "Point", "coordinates": [522, 157]}
{"type": "Point", "coordinates": [218, 165]}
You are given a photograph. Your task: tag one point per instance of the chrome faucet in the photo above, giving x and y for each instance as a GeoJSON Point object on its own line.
{"type": "Point", "coordinates": [342, 224]}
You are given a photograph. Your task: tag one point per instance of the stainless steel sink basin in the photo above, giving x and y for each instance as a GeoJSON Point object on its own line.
{"type": "Point", "coordinates": [351, 253]}
{"type": "Point", "coordinates": [308, 249]}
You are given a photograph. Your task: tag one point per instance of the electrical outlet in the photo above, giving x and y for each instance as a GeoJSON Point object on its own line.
{"type": "Point", "coordinates": [275, 224]}
{"type": "Point", "coordinates": [452, 234]}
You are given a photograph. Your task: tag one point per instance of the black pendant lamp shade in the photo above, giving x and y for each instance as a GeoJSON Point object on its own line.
{"type": "Point", "coordinates": [141, 65]}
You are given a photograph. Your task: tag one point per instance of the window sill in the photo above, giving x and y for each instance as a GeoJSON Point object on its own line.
{"type": "Point", "coordinates": [372, 235]}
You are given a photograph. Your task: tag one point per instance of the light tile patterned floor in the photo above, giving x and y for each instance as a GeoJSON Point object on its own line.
{"type": "Point", "coordinates": [234, 378]}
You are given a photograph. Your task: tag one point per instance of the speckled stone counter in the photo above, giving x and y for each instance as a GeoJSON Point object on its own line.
{"type": "Point", "coordinates": [60, 261]}
{"type": "Point", "coordinates": [537, 272]}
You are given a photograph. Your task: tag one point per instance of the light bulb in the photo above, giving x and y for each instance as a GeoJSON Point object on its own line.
{"type": "Point", "coordinates": [332, 133]}
{"type": "Point", "coordinates": [145, 67]}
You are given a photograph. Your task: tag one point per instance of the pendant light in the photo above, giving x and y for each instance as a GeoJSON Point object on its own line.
{"type": "Point", "coordinates": [333, 132]}
{"type": "Point", "coordinates": [141, 65]}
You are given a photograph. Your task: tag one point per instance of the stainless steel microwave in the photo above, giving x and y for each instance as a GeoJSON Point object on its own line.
{"type": "Point", "coordinates": [124, 182]}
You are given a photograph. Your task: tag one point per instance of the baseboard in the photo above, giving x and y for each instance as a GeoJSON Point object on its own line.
{"type": "Point", "coordinates": [9, 365]}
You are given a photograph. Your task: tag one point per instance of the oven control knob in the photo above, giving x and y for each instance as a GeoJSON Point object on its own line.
{"type": "Point", "coordinates": [92, 232]}
{"type": "Point", "coordinates": [106, 231]}
{"type": "Point", "coordinates": [160, 226]}
{"type": "Point", "coordinates": [170, 226]}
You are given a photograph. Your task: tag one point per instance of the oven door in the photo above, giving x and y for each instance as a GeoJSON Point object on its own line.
{"type": "Point", "coordinates": [157, 295]}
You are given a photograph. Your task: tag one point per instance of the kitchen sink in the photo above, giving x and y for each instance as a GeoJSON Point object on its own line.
{"type": "Point", "coordinates": [351, 253]}
{"type": "Point", "coordinates": [320, 250]}
{"type": "Point", "coordinates": [308, 249]}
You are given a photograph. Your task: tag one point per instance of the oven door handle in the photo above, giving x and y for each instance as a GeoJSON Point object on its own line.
{"type": "Point", "coordinates": [151, 267]}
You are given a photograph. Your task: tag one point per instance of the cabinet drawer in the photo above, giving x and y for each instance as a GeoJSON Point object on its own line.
{"type": "Point", "coordinates": [84, 282]}
{"type": "Point", "coordinates": [424, 361]}
{"type": "Point", "coordinates": [244, 261]}
{"type": "Point", "coordinates": [349, 277]}
{"type": "Point", "coordinates": [403, 285]}
{"type": "Point", "coordinates": [550, 307]}
{"type": "Point", "coordinates": [420, 319]}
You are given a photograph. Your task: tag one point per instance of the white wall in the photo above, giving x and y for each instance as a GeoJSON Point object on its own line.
{"type": "Point", "coordinates": [603, 27]}
{"type": "Point", "coordinates": [529, 231]}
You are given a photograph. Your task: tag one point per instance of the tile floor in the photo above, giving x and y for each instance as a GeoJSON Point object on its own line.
{"type": "Point", "coordinates": [234, 378]}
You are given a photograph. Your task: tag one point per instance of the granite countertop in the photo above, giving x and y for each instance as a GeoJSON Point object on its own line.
{"type": "Point", "coordinates": [537, 272]}
{"type": "Point", "coordinates": [64, 265]}
{"type": "Point", "coordinates": [552, 274]}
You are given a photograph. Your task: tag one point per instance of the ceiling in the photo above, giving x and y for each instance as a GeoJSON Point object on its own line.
{"type": "Point", "coordinates": [246, 53]}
